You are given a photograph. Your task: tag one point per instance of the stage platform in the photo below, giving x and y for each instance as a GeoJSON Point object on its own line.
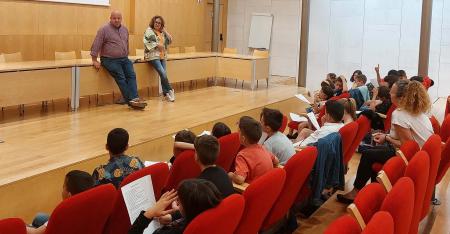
{"type": "Point", "coordinates": [39, 151]}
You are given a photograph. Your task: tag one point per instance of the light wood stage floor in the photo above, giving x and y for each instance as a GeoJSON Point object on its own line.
{"type": "Point", "coordinates": [39, 150]}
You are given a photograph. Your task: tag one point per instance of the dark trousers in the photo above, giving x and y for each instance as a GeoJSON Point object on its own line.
{"type": "Point", "coordinates": [122, 70]}
{"type": "Point", "coordinates": [379, 154]}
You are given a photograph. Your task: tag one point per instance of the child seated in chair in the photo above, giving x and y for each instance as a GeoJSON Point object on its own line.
{"type": "Point", "coordinates": [361, 81]}
{"type": "Point", "coordinates": [220, 129]}
{"type": "Point", "coordinates": [183, 136]}
{"type": "Point", "coordinates": [383, 104]}
{"type": "Point", "coordinates": [334, 112]}
{"type": "Point", "coordinates": [75, 182]}
{"type": "Point", "coordinates": [277, 143]}
{"type": "Point", "coordinates": [340, 86]}
{"type": "Point", "coordinates": [255, 160]}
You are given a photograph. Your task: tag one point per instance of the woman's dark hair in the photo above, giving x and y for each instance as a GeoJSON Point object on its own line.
{"type": "Point", "coordinates": [327, 90]}
{"type": "Point", "coordinates": [197, 196]}
{"type": "Point", "coordinates": [152, 22]}
{"type": "Point", "coordinates": [220, 129]}
{"type": "Point", "coordinates": [327, 82]}
{"type": "Point", "coordinates": [357, 71]}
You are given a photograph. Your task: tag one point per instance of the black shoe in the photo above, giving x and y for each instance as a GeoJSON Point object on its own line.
{"type": "Point", "coordinates": [308, 210]}
{"type": "Point", "coordinates": [343, 200]}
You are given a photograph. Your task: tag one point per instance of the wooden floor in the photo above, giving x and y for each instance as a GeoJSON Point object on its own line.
{"type": "Point", "coordinates": [437, 221]}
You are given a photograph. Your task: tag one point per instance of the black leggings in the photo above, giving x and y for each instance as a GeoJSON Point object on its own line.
{"type": "Point", "coordinates": [379, 154]}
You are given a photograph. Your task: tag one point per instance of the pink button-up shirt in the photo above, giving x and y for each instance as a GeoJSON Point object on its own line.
{"type": "Point", "coordinates": [111, 42]}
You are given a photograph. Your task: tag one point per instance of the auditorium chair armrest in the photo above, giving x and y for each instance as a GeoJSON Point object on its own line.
{"type": "Point", "coordinates": [353, 211]}
{"type": "Point", "coordinates": [240, 188]}
{"type": "Point", "coordinates": [303, 114]}
{"type": "Point", "coordinates": [279, 166]}
{"type": "Point", "coordinates": [442, 144]}
{"type": "Point", "coordinates": [383, 179]}
{"type": "Point", "coordinates": [400, 154]}
{"type": "Point", "coordinates": [383, 116]}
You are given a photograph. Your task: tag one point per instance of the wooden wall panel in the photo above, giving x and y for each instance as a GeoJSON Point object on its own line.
{"type": "Point", "coordinates": [145, 10]}
{"type": "Point", "coordinates": [57, 19]}
{"type": "Point", "coordinates": [19, 17]}
{"type": "Point", "coordinates": [193, 18]}
{"type": "Point", "coordinates": [124, 7]}
{"type": "Point", "coordinates": [91, 18]}
{"type": "Point", "coordinates": [62, 44]}
{"type": "Point", "coordinates": [172, 12]}
{"type": "Point", "coordinates": [193, 40]}
{"type": "Point", "coordinates": [32, 47]}
{"type": "Point", "coordinates": [87, 41]}
{"type": "Point", "coordinates": [138, 42]}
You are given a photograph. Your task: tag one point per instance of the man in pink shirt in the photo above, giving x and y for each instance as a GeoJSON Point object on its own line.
{"type": "Point", "coordinates": [112, 43]}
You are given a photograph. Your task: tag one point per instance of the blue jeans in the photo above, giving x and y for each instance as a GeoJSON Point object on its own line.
{"type": "Point", "coordinates": [160, 67]}
{"type": "Point", "coordinates": [122, 70]}
{"type": "Point", "coordinates": [364, 108]}
{"type": "Point", "coordinates": [39, 220]}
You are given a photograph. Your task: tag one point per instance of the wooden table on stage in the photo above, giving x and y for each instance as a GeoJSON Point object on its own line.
{"type": "Point", "coordinates": [27, 82]}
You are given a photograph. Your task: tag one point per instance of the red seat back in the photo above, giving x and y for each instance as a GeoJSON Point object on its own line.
{"type": "Point", "coordinates": [409, 149]}
{"type": "Point", "coordinates": [304, 192]}
{"type": "Point", "coordinates": [381, 222]}
{"type": "Point", "coordinates": [436, 125]}
{"type": "Point", "coordinates": [433, 147]}
{"type": "Point", "coordinates": [399, 202]}
{"type": "Point", "coordinates": [418, 171]}
{"type": "Point", "coordinates": [183, 168]}
{"type": "Point", "coordinates": [445, 162]}
{"type": "Point", "coordinates": [229, 146]}
{"type": "Point", "coordinates": [445, 129]}
{"type": "Point", "coordinates": [344, 224]}
{"type": "Point", "coordinates": [12, 226]}
{"type": "Point", "coordinates": [222, 219]}
{"type": "Point", "coordinates": [348, 134]}
{"type": "Point", "coordinates": [119, 221]}
{"type": "Point", "coordinates": [394, 169]}
{"type": "Point", "coordinates": [388, 120]}
{"type": "Point", "coordinates": [86, 212]}
{"type": "Point", "coordinates": [297, 170]}
{"type": "Point", "coordinates": [283, 126]}
{"type": "Point", "coordinates": [344, 95]}
{"type": "Point", "coordinates": [363, 128]}
{"type": "Point", "coordinates": [322, 112]}
{"type": "Point", "coordinates": [369, 200]}
{"type": "Point", "coordinates": [259, 197]}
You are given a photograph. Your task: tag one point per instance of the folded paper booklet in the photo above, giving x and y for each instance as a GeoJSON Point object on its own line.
{"type": "Point", "coordinates": [313, 120]}
{"type": "Point", "coordinates": [298, 118]}
{"type": "Point", "coordinates": [139, 196]}
{"type": "Point", "coordinates": [301, 97]}
{"type": "Point", "coordinates": [149, 163]}
{"type": "Point", "coordinates": [205, 133]}
{"type": "Point", "coordinates": [374, 82]}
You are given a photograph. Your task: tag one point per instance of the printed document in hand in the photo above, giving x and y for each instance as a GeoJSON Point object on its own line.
{"type": "Point", "coordinates": [374, 82]}
{"type": "Point", "coordinates": [313, 120]}
{"type": "Point", "coordinates": [263, 138]}
{"type": "Point", "coordinates": [298, 118]}
{"type": "Point", "coordinates": [301, 97]}
{"type": "Point", "coordinates": [205, 133]}
{"type": "Point", "coordinates": [139, 196]}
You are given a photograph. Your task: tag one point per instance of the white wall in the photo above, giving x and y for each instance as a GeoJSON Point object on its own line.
{"type": "Point", "coordinates": [348, 35]}
{"type": "Point", "coordinates": [285, 32]}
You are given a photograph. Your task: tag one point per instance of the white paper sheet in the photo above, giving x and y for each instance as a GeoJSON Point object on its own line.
{"type": "Point", "coordinates": [138, 196]}
{"type": "Point", "coordinates": [374, 83]}
{"type": "Point", "coordinates": [205, 133]}
{"type": "Point", "coordinates": [301, 97]}
{"type": "Point", "coordinates": [149, 163]}
{"type": "Point", "coordinates": [298, 118]}
{"type": "Point", "coordinates": [357, 112]}
{"type": "Point", "coordinates": [297, 143]}
{"type": "Point", "coordinates": [313, 120]}
{"type": "Point", "coordinates": [263, 138]}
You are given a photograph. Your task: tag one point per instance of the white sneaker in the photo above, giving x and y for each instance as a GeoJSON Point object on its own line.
{"type": "Point", "coordinates": [172, 94]}
{"type": "Point", "coordinates": [168, 98]}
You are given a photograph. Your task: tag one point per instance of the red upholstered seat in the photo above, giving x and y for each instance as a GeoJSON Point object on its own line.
{"type": "Point", "coordinates": [293, 125]}
{"type": "Point", "coordinates": [85, 212]}
{"type": "Point", "coordinates": [348, 134]}
{"type": "Point", "coordinates": [445, 162]}
{"type": "Point", "coordinates": [183, 168]}
{"type": "Point", "coordinates": [363, 128]}
{"type": "Point", "coordinates": [283, 126]}
{"type": "Point", "coordinates": [344, 95]}
{"type": "Point", "coordinates": [369, 200]}
{"type": "Point", "coordinates": [304, 192]}
{"type": "Point", "coordinates": [343, 225]}
{"type": "Point", "coordinates": [433, 148]}
{"type": "Point", "coordinates": [381, 222]}
{"type": "Point", "coordinates": [229, 146]}
{"type": "Point", "coordinates": [297, 170]}
{"type": "Point", "coordinates": [222, 219]}
{"type": "Point", "coordinates": [259, 197]}
{"type": "Point", "coordinates": [418, 170]}
{"type": "Point", "coordinates": [388, 121]}
{"type": "Point", "coordinates": [399, 202]}
{"type": "Point", "coordinates": [436, 125]}
{"type": "Point", "coordinates": [12, 226]}
{"type": "Point", "coordinates": [119, 221]}
{"type": "Point", "coordinates": [445, 129]}
{"type": "Point", "coordinates": [394, 169]}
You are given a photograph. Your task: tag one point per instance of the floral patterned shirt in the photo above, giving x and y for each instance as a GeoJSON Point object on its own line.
{"type": "Point", "coordinates": [116, 169]}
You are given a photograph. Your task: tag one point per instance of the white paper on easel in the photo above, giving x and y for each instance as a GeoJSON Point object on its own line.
{"type": "Point", "coordinates": [301, 97]}
{"type": "Point", "coordinates": [374, 83]}
{"type": "Point", "coordinates": [139, 196]}
{"type": "Point", "coordinates": [263, 138]}
{"type": "Point", "coordinates": [298, 118]}
{"type": "Point", "coordinates": [313, 120]}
